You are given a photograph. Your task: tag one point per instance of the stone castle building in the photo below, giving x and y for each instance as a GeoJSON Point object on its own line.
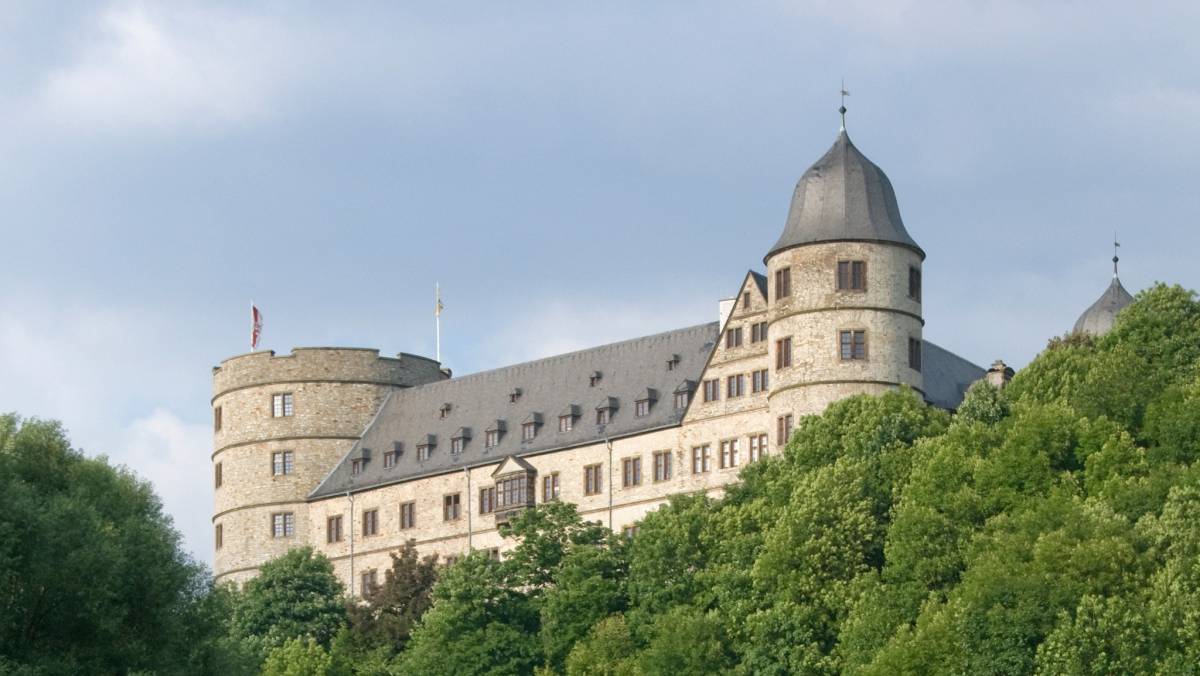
{"type": "Point", "coordinates": [354, 453]}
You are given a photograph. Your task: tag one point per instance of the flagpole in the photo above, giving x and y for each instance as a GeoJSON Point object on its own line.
{"type": "Point", "coordinates": [437, 314]}
{"type": "Point", "coordinates": [253, 319]}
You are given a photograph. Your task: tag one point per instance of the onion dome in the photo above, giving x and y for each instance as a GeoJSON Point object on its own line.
{"type": "Point", "coordinates": [1100, 317]}
{"type": "Point", "coordinates": [844, 197]}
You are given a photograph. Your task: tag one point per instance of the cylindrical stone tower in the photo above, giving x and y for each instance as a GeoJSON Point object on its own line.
{"type": "Point", "coordinates": [845, 289]}
{"type": "Point", "coordinates": [280, 424]}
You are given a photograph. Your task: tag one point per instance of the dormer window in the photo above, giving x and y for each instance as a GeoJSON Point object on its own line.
{"type": "Point", "coordinates": [514, 395]}
{"type": "Point", "coordinates": [641, 405]}
{"type": "Point", "coordinates": [456, 446]}
{"type": "Point", "coordinates": [444, 410]}
{"type": "Point", "coordinates": [594, 379]}
{"type": "Point", "coordinates": [492, 434]}
{"type": "Point", "coordinates": [604, 410]}
{"type": "Point", "coordinates": [425, 447]}
{"type": "Point", "coordinates": [566, 419]}
{"type": "Point", "coordinates": [683, 394]}
{"type": "Point", "coordinates": [357, 465]}
{"type": "Point", "coordinates": [459, 440]}
{"type": "Point", "coordinates": [528, 431]}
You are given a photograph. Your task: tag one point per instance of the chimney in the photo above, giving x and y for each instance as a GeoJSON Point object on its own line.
{"type": "Point", "coordinates": [725, 308]}
{"type": "Point", "coordinates": [999, 374]}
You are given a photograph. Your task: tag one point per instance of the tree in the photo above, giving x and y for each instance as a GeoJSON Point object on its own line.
{"type": "Point", "coordinates": [608, 650]}
{"type": "Point", "coordinates": [297, 657]}
{"type": "Point", "coordinates": [588, 586]}
{"type": "Point", "coordinates": [92, 575]}
{"type": "Point", "coordinates": [294, 596]}
{"type": "Point", "coordinates": [387, 614]}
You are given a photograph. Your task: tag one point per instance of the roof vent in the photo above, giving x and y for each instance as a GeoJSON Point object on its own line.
{"type": "Point", "coordinates": [672, 362]}
{"type": "Point", "coordinates": [594, 378]}
{"type": "Point", "coordinates": [535, 418]}
{"type": "Point", "coordinates": [514, 395]}
{"type": "Point", "coordinates": [496, 426]}
{"type": "Point", "coordinates": [444, 410]}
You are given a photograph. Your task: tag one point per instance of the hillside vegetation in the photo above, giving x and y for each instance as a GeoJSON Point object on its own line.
{"type": "Point", "coordinates": [1047, 528]}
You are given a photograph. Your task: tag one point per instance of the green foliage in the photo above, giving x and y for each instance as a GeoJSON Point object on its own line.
{"type": "Point", "coordinates": [92, 577]}
{"type": "Point", "coordinates": [294, 596]}
{"type": "Point", "coordinates": [297, 657]}
{"type": "Point", "coordinates": [386, 615]}
{"type": "Point", "coordinates": [608, 650]}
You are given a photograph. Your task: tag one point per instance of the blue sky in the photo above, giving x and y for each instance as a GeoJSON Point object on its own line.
{"type": "Point", "coordinates": [572, 174]}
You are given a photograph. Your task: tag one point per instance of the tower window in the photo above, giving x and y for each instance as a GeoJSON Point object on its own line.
{"type": "Point", "coordinates": [423, 451]}
{"type": "Point", "coordinates": [914, 284]}
{"type": "Point", "coordinates": [217, 419]}
{"type": "Point", "coordinates": [281, 405]}
{"type": "Point", "coordinates": [914, 354]}
{"type": "Point", "coordinates": [217, 475]}
{"type": "Point", "coordinates": [783, 283]}
{"type": "Point", "coordinates": [218, 536]}
{"type": "Point", "coordinates": [282, 462]}
{"type": "Point", "coordinates": [783, 429]}
{"type": "Point", "coordinates": [733, 338]}
{"type": "Point", "coordinates": [852, 275]}
{"type": "Point", "coordinates": [283, 525]}
{"type": "Point", "coordinates": [783, 353]}
{"type": "Point", "coordinates": [853, 345]}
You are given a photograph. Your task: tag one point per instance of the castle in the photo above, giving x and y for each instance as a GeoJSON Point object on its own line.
{"type": "Point", "coordinates": [355, 454]}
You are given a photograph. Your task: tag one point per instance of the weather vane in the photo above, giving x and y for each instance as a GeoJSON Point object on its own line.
{"type": "Point", "coordinates": [1116, 245]}
{"type": "Point", "coordinates": [842, 108]}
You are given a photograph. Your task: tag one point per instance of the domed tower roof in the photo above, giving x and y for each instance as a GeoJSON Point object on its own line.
{"type": "Point", "coordinates": [1099, 318]}
{"type": "Point", "coordinates": [844, 197]}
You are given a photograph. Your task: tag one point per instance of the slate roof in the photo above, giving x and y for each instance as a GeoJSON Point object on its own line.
{"type": "Point", "coordinates": [947, 375]}
{"type": "Point", "coordinates": [547, 388]}
{"type": "Point", "coordinates": [761, 280]}
{"type": "Point", "coordinates": [844, 196]}
{"type": "Point", "coordinates": [1100, 317]}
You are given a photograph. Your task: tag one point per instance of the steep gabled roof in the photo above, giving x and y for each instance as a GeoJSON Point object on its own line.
{"type": "Point", "coordinates": [548, 386]}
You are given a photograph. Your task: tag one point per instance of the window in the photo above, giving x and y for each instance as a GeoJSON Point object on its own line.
{"type": "Point", "coordinates": [389, 459]}
{"type": "Point", "coordinates": [444, 411]}
{"type": "Point", "coordinates": [758, 332]}
{"type": "Point", "coordinates": [514, 395]}
{"type": "Point", "coordinates": [370, 522]}
{"type": "Point", "coordinates": [408, 515]}
{"type": "Point", "coordinates": [662, 465]}
{"type": "Point", "coordinates": [333, 529]}
{"type": "Point", "coordinates": [914, 284]}
{"type": "Point", "coordinates": [852, 276]}
{"type": "Point", "coordinates": [745, 300]}
{"type": "Point", "coordinates": [283, 525]}
{"type": "Point", "coordinates": [783, 353]}
{"type": "Point", "coordinates": [451, 559]}
{"type": "Point", "coordinates": [218, 536]}
{"type": "Point", "coordinates": [357, 465]}
{"type": "Point", "coordinates": [550, 488]}
{"type": "Point", "coordinates": [712, 390]}
{"type": "Point", "coordinates": [451, 505]}
{"type": "Point", "coordinates": [491, 438]}
{"type": "Point", "coordinates": [853, 345]}
{"type": "Point", "coordinates": [594, 378]}
{"type": "Point", "coordinates": [681, 400]}
{"type": "Point", "coordinates": [217, 419]}
{"type": "Point", "coordinates": [423, 451]}
{"type": "Point", "coordinates": [629, 531]}
{"type": "Point", "coordinates": [217, 475]}
{"type": "Point", "coordinates": [281, 405]}
{"type": "Point", "coordinates": [631, 472]}
{"type": "Point", "coordinates": [735, 386]}
{"type": "Point", "coordinates": [783, 429]}
{"type": "Point", "coordinates": [701, 459]}
{"type": "Point", "coordinates": [783, 283]}
{"type": "Point", "coordinates": [494, 553]}
{"type": "Point", "coordinates": [641, 408]}
{"type": "Point", "coordinates": [528, 431]}
{"type": "Point", "coordinates": [456, 445]}
{"type": "Point", "coordinates": [282, 462]}
{"type": "Point", "coordinates": [566, 423]}
{"type": "Point", "coordinates": [513, 492]}
{"type": "Point", "coordinates": [369, 581]}
{"type": "Point", "coordinates": [758, 447]}
{"type": "Point", "coordinates": [758, 381]}
{"type": "Point", "coordinates": [733, 337]}
{"type": "Point", "coordinates": [592, 484]}
{"type": "Point", "coordinates": [487, 500]}
{"type": "Point", "coordinates": [914, 354]}
{"type": "Point", "coordinates": [603, 415]}
{"type": "Point", "coordinates": [729, 454]}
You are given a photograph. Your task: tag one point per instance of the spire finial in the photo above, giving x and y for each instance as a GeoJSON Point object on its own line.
{"type": "Point", "coordinates": [842, 108]}
{"type": "Point", "coordinates": [1116, 245]}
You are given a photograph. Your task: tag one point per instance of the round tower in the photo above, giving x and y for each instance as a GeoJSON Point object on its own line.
{"type": "Point", "coordinates": [845, 289]}
{"type": "Point", "coordinates": [1100, 317]}
{"type": "Point", "coordinates": [280, 424]}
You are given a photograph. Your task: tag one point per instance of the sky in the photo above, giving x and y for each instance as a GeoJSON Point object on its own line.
{"type": "Point", "coordinates": [570, 173]}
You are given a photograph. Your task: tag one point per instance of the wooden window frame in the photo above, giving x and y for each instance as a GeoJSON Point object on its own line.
{"type": "Point", "coordinates": [551, 488]}
{"type": "Point", "coordinates": [457, 444]}
{"type": "Point", "coordinates": [702, 459]}
{"type": "Point", "coordinates": [733, 337]}
{"type": "Point", "coordinates": [851, 276]}
{"type": "Point", "coordinates": [914, 283]}
{"type": "Point", "coordinates": [566, 423]}
{"type": "Point", "coordinates": [285, 465]}
{"type": "Point", "coordinates": [491, 438]}
{"type": "Point", "coordinates": [218, 536]}
{"type": "Point", "coordinates": [218, 476]}
{"type": "Point", "coordinates": [745, 300]}
{"type": "Point", "coordinates": [217, 419]}
{"type": "Point", "coordinates": [682, 399]}
{"type": "Point", "coordinates": [370, 522]}
{"type": "Point", "coordinates": [631, 472]}
{"type": "Point", "coordinates": [783, 283]}
{"type": "Point", "coordinates": [784, 425]}
{"type": "Point", "coordinates": [603, 416]}
{"type": "Point", "coordinates": [712, 390]}
{"type": "Point", "coordinates": [857, 340]}
{"type": "Point", "coordinates": [389, 459]}
{"type": "Point", "coordinates": [424, 451]}
{"type": "Point", "coordinates": [593, 480]}
{"type": "Point", "coordinates": [662, 466]}
{"type": "Point", "coordinates": [730, 454]}
{"type": "Point", "coordinates": [783, 353]}
{"type": "Point", "coordinates": [641, 408]}
{"type": "Point", "coordinates": [333, 529]}
{"type": "Point", "coordinates": [283, 405]}
{"type": "Point", "coordinates": [451, 506]}
{"type": "Point", "coordinates": [528, 431]}
{"type": "Point", "coordinates": [487, 500]}
{"type": "Point", "coordinates": [408, 515]}
{"type": "Point", "coordinates": [914, 354]}
{"type": "Point", "coordinates": [735, 385]}
{"type": "Point", "coordinates": [287, 521]}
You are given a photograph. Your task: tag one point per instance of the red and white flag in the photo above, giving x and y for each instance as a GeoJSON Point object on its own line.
{"type": "Point", "coordinates": [255, 326]}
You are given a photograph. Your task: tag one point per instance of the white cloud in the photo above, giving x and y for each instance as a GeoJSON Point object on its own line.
{"type": "Point", "coordinates": [169, 66]}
